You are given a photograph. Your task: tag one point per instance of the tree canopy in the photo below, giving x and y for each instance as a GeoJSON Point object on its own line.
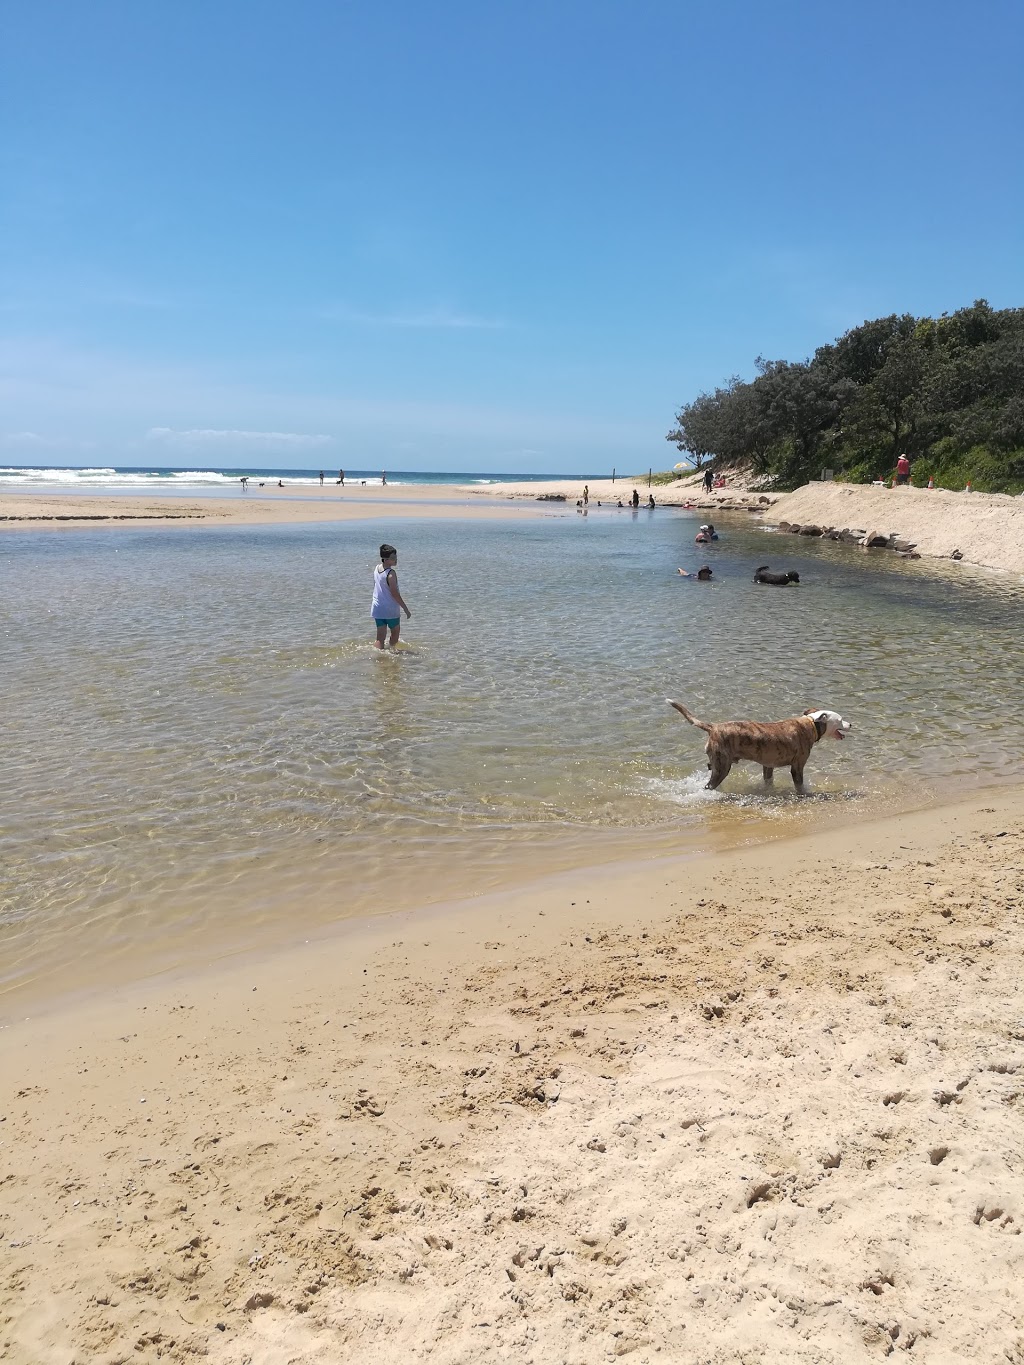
{"type": "Point", "coordinates": [947, 391]}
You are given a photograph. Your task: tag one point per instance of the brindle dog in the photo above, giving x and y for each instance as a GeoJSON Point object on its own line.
{"type": "Point", "coordinates": [773, 744]}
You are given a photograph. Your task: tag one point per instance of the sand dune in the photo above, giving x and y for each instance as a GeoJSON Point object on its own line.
{"type": "Point", "coordinates": [986, 528]}
{"type": "Point", "coordinates": [762, 1107]}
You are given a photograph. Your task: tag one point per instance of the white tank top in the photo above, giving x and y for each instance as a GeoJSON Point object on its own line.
{"type": "Point", "coordinates": [384, 607]}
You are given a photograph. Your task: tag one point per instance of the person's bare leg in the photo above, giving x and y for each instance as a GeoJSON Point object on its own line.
{"type": "Point", "coordinates": [395, 632]}
{"type": "Point", "coordinates": [381, 633]}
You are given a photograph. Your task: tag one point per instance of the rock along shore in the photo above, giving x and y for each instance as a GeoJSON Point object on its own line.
{"type": "Point", "coordinates": [978, 528]}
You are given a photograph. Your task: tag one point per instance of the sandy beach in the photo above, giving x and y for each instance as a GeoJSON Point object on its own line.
{"type": "Point", "coordinates": [984, 528]}
{"type": "Point", "coordinates": [761, 1105]}
{"type": "Point", "coordinates": [765, 1106]}
{"type": "Point", "coordinates": [987, 529]}
{"type": "Point", "coordinates": [258, 507]}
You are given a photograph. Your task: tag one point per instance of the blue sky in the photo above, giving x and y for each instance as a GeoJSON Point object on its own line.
{"type": "Point", "coordinates": [480, 236]}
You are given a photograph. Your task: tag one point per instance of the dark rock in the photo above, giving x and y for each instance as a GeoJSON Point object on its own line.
{"type": "Point", "coordinates": [551, 497]}
{"type": "Point", "coordinates": [810, 530]}
{"type": "Point", "coordinates": [904, 546]}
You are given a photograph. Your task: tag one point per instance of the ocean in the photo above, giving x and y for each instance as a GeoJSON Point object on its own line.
{"type": "Point", "coordinates": [203, 752]}
{"type": "Point", "coordinates": [146, 478]}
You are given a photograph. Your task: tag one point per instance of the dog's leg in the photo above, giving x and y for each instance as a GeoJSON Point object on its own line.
{"type": "Point", "coordinates": [769, 774]}
{"type": "Point", "coordinates": [797, 769]}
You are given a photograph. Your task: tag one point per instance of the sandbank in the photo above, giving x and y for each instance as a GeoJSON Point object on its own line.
{"type": "Point", "coordinates": [764, 1105]}
{"type": "Point", "coordinates": [259, 507]}
{"type": "Point", "coordinates": [985, 528]}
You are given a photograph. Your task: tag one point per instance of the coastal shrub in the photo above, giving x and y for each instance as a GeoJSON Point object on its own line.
{"type": "Point", "coordinates": [948, 391]}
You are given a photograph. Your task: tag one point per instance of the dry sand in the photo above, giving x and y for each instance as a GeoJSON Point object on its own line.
{"type": "Point", "coordinates": [686, 491]}
{"type": "Point", "coordinates": [987, 528]}
{"type": "Point", "coordinates": [259, 507]}
{"type": "Point", "coordinates": [762, 1107]}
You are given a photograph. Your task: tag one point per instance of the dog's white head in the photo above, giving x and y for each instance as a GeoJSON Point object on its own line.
{"type": "Point", "coordinates": [833, 723]}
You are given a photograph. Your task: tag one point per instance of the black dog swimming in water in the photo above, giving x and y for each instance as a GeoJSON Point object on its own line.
{"type": "Point", "coordinates": [763, 575]}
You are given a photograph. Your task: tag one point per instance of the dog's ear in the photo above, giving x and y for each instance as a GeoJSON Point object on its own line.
{"type": "Point", "coordinates": [809, 710]}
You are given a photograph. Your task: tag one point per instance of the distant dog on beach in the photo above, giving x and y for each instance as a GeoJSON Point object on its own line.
{"type": "Point", "coordinates": [764, 575]}
{"type": "Point", "coordinates": [773, 744]}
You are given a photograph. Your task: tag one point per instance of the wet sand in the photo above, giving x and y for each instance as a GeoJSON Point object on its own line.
{"type": "Point", "coordinates": [762, 1106]}
{"type": "Point", "coordinates": [259, 507]}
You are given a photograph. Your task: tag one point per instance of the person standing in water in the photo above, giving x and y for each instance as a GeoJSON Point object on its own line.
{"type": "Point", "coordinates": [586, 494]}
{"type": "Point", "coordinates": [383, 478]}
{"type": "Point", "coordinates": [388, 603]}
{"type": "Point", "coordinates": [321, 478]}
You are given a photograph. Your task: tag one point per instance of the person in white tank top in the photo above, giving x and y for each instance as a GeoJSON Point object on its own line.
{"type": "Point", "coordinates": [388, 602]}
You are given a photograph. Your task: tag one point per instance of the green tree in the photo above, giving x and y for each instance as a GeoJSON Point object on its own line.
{"type": "Point", "coordinates": [948, 390]}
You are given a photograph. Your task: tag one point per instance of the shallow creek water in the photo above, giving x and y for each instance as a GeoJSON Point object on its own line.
{"type": "Point", "coordinates": [201, 747]}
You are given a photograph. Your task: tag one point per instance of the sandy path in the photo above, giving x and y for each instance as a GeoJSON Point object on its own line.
{"type": "Point", "coordinates": [763, 1107]}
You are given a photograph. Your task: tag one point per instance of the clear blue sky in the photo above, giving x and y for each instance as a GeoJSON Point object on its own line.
{"type": "Point", "coordinates": [474, 234]}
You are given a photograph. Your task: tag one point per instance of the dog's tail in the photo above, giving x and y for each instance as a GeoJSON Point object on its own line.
{"type": "Point", "coordinates": [683, 712]}
{"type": "Point", "coordinates": [761, 568]}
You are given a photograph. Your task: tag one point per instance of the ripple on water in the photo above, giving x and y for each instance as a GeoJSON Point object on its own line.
{"type": "Point", "coordinates": [201, 740]}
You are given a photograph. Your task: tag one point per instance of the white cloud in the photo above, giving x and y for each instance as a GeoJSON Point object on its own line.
{"type": "Point", "coordinates": [204, 436]}
{"type": "Point", "coordinates": [22, 438]}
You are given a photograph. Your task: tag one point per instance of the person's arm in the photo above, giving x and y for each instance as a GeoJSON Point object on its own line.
{"type": "Point", "coordinates": [392, 582]}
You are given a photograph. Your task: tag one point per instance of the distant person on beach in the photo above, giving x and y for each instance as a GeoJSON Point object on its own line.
{"type": "Point", "coordinates": [383, 478]}
{"type": "Point", "coordinates": [341, 477]}
{"type": "Point", "coordinates": [280, 484]}
{"type": "Point", "coordinates": [586, 494]}
{"type": "Point", "coordinates": [709, 479]}
{"type": "Point", "coordinates": [650, 502]}
{"type": "Point", "coordinates": [244, 481]}
{"type": "Point", "coordinates": [321, 478]}
{"type": "Point", "coordinates": [620, 502]}
{"type": "Point", "coordinates": [636, 498]}
{"type": "Point", "coordinates": [388, 603]}
{"type": "Point", "coordinates": [903, 469]}
{"type": "Point", "coordinates": [703, 573]}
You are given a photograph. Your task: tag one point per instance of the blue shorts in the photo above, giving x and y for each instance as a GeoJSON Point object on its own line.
{"type": "Point", "coordinates": [385, 624]}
